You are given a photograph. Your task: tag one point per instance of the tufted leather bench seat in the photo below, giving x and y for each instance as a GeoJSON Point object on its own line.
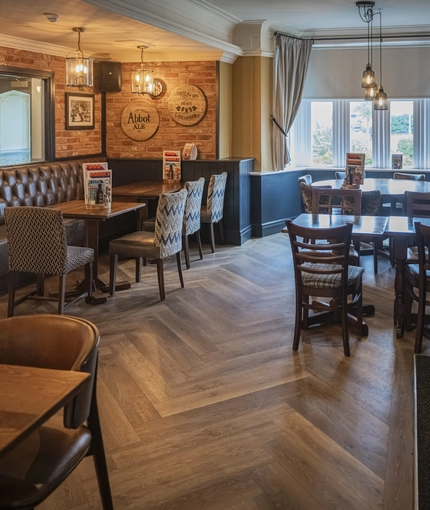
{"type": "Point", "coordinates": [40, 185]}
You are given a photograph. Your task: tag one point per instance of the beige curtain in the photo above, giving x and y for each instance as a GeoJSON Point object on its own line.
{"type": "Point", "coordinates": [290, 68]}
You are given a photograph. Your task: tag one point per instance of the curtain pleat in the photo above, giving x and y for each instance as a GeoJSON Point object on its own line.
{"type": "Point", "coordinates": [290, 68]}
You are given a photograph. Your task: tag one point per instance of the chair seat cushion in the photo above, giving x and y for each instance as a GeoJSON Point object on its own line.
{"type": "Point", "coordinates": [32, 470]}
{"type": "Point", "coordinates": [77, 257]}
{"type": "Point", "coordinates": [149, 225]}
{"type": "Point", "coordinates": [329, 281]}
{"type": "Point", "coordinates": [136, 244]}
{"type": "Point", "coordinates": [205, 217]}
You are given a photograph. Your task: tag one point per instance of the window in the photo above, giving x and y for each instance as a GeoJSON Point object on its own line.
{"type": "Point", "coordinates": [26, 116]}
{"type": "Point", "coordinates": [324, 131]}
{"type": "Point", "coordinates": [402, 130]}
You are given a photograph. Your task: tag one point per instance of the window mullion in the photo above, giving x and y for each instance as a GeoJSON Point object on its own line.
{"type": "Point", "coordinates": [341, 137]}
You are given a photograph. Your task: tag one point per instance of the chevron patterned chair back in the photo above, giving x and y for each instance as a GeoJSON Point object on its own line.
{"type": "Point", "coordinates": [37, 244]}
{"type": "Point", "coordinates": [214, 209]}
{"type": "Point", "coordinates": [164, 242]}
{"type": "Point", "coordinates": [192, 216]}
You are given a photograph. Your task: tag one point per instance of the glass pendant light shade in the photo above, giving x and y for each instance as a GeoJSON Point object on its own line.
{"type": "Point", "coordinates": [142, 80]}
{"type": "Point", "coordinates": [368, 77]}
{"type": "Point", "coordinates": [381, 100]}
{"type": "Point", "coordinates": [370, 92]}
{"type": "Point", "coordinates": [79, 69]}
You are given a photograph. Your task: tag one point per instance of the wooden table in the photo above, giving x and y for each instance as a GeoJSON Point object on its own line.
{"type": "Point", "coordinates": [29, 396]}
{"type": "Point", "coordinates": [93, 217]}
{"type": "Point", "coordinates": [391, 189]}
{"type": "Point", "coordinates": [143, 190]}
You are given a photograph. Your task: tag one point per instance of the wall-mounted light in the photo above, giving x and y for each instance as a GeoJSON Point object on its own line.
{"type": "Point", "coordinates": [79, 69]}
{"type": "Point", "coordinates": [142, 81]}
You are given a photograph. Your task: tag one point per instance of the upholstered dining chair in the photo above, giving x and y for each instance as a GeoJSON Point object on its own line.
{"type": "Point", "coordinates": [416, 204]}
{"type": "Point", "coordinates": [322, 270]}
{"type": "Point", "coordinates": [213, 211]}
{"type": "Point", "coordinates": [164, 242]}
{"type": "Point", "coordinates": [306, 192]}
{"type": "Point", "coordinates": [191, 225]}
{"type": "Point", "coordinates": [342, 175]}
{"type": "Point", "coordinates": [41, 462]}
{"type": "Point", "coordinates": [36, 239]}
{"type": "Point", "coordinates": [418, 283]}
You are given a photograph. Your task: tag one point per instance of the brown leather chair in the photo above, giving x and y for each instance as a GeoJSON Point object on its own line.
{"type": "Point", "coordinates": [36, 239]}
{"type": "Point", "coordinates": [321, 270]}
{"type": "Point", "coordinates": [40, 463]}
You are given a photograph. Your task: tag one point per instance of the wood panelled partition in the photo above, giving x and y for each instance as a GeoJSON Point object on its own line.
{"type": "Point", "coordinates": [237, 205]}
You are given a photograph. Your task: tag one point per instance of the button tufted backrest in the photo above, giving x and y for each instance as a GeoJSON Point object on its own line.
{"type": "Point", "coordinates": [41, 184]}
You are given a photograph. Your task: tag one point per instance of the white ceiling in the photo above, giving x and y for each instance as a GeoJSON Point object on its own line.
{"type": "Point", "coordinates": [188, 29]}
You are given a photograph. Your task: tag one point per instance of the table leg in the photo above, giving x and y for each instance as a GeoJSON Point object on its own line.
{"type": "Point", "coordinates": [400, 245]}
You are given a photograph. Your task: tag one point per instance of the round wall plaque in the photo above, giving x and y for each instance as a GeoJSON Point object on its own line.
{"type": "Point", "coordinates": [140, 120]}
{"type": "Point", "coordinates": [187, 105]}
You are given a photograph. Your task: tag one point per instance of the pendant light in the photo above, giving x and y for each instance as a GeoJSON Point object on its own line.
{"type": "Point", "coordinates": [79, 69]}
{"type": "Point", "coordinates": [142, 81]}
{"type": "Point", "coordinates": [371, 90]}
{"type": "Point", "coordinates": [381, 100]}
{"type": "Point", "coordinates": [368, 77]}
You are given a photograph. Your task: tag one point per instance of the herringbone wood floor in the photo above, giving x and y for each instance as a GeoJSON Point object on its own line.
{"type": "Point", "coordinates": [204, 406]}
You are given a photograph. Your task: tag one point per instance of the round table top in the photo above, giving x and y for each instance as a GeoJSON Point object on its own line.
{"type": "Point", "coordinates": [387, 187]}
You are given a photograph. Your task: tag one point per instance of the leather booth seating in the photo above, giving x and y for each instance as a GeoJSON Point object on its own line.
{"type": "Point", "coordinates": [40, 185]}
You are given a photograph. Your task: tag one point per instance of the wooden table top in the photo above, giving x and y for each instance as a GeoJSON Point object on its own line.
{"type": "Point", "coordinates": [145, 189]}
{"type": "Point", "coordinates": [362, 225]}
{"type": "Point", "coordinates": [29, 396]}
{"type": "Point", "coordinates": [77, 209]}
{"type": "Point", "coordinates": [388, 187]}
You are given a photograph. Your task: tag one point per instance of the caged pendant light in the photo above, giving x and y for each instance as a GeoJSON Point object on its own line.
{"type": "Point", "coordinates": [79, 69]}
{"type": "Point", "coordinates": [381, 99]}
{"type": "Point", "coordinates": [142, 81]}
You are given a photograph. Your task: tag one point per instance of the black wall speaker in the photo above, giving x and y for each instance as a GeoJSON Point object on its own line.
{"type": "Point", "coordinates": [110, 76]}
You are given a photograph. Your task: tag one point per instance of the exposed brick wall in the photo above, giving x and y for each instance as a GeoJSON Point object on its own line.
{"type": "Point", "coordinates": [170, 135]}
{"type": "Point", "coordinates": [67, 143]}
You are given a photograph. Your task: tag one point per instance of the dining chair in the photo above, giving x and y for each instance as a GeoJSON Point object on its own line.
{"type": "Point", "coordinates": [342, 175]}
{"type": "Point", "coordinates": [191, 225]}
{"type": "Point", "coordinates": [336, 201]}
{"type": "Point", "coordinates": [322, 270]}
{"type": "Point", "coordinates": [418, 284]}
{"type": "Point", "coordinates": [397, 207]}
{"type": "Point", "coordinates": [213, 211]}
{"type": "Point", "coordinates": [40, 463]}
{"type": "Point", "coordinates": [306, 196]}
{"type": "Point", "coordinates": [164, 242]}
{"type": "Point", "coordinates": [37, 244]}
{"type": "Point", "coordinates": [416, 204]}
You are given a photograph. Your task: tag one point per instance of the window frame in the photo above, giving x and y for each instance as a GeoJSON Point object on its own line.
{"type": "Point", "coordinates": [49, 103]}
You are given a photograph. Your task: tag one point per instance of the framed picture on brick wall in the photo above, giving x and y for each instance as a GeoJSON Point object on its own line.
{"type": "Point", "coordinates": [79, 111]}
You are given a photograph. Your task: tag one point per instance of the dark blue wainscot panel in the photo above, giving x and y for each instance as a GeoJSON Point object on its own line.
{"type": "Point", "coordinates": [275, 196]}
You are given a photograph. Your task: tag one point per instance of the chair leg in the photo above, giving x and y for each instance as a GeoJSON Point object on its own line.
{"type": "Point", "coordinates": [186, 246]}
{"type": "Point", "coordinates": [40, 284]}
{"type": "Point", "coordinates": [420, 318]}
{"type": "Point", "coordinates": [160, 274]}
{"type": "Point", "coordinates": [221, 231]}
{"type": "Point", "coordinates": [212, 237]}
{"type": "Point", "coordinates": [199, 244]}
{"type": "Point", "coordinates": [89, 280]}
{"type": "Point", "coordinates": [11, 294]}
{"type": "Point", "coordinates": [61, 293]}
{"type": "Point", "coordinates": [99, 457]}
{"type": "Point", "coordinates": [179, 263]}
{"type": "Point", "coordinates": [375, 257]}
{"type": "Point", "coordinates": [298, 323]}
{"type": "Point", "coordinates": [113, 263]}
{"type": "Point", "coordinates": [139, 269]}
{"type": "Point", "coordinates": [345, 334]}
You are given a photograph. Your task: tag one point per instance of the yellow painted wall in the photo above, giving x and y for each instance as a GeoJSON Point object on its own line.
{"type": "Point", "coordinates": [252, 105]}
{"type": "Point", "coordinates": [225, 125]}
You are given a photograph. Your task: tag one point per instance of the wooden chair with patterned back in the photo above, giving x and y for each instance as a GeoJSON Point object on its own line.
{"type": "Point", "coordinates": [164, 242]}
{"type": "Point", "coordinates": [213, 211]}
{"type": "Point", "coordinates": [43, 460]}
{"type": "Point", "coordinates": [37, 244]}
{"type": "Point", "coordinates": [191, 226]}
{"type": "Point", "coordinates": [418, 283]}
{"type": "Point", "coordinates": [398, 207]}
{"type": "Point", "coordinates": [322, 270]}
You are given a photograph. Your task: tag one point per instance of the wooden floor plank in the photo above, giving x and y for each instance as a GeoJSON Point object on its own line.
{"type": "Point", "coordinates": [204, 405]}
